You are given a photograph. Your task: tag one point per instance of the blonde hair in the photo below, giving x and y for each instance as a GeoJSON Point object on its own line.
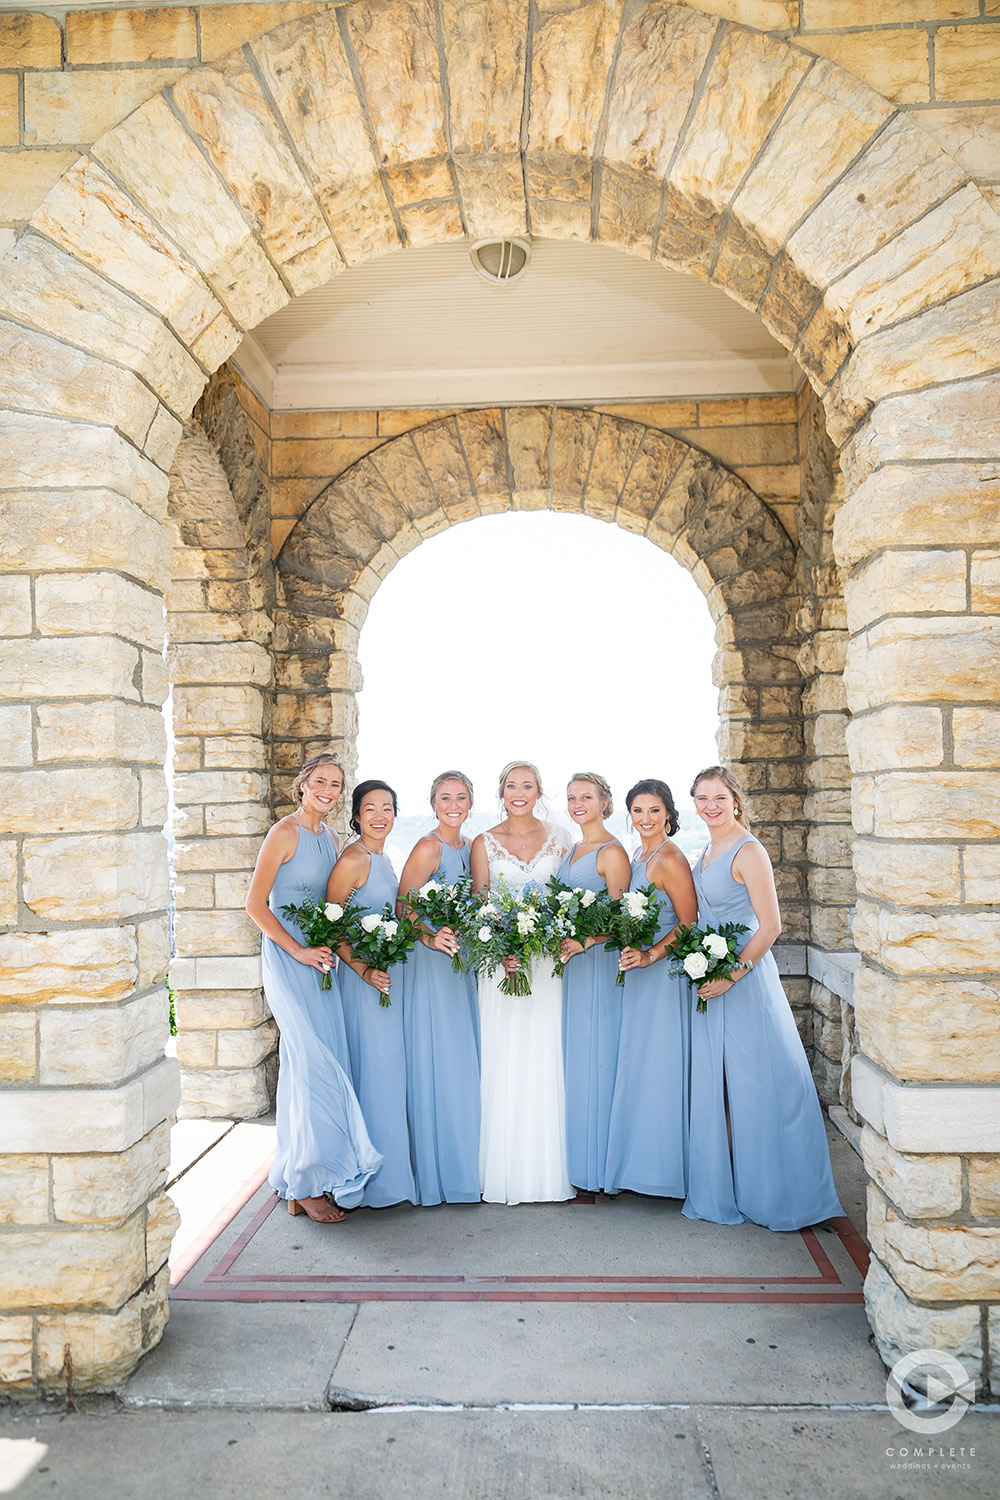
{"type": "Point", "coordinates": [513, 765]}
{"type": "Point", "coordinates": [327, 758]}
{"type": "Point", "coordinates": [600, 783]}
{"type": "Point", "coordinates": [439, 782]}
{"type": "Point", "coordinates": [730, 780]}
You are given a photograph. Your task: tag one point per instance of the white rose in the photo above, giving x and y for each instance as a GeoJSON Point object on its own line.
{"type": "Point", "coordinates": [715, 944]}
{"type": "Point", "coordinates": [696, 965]}
{"type": "Point", "coordinates": [635, 903]}
{"type": "Point", "coordinates": [588, 898]}
{"type": "Point", "coordinates": [371, 923]}
{"type": "Point", "coordinates": [429, 888]}
{"type": "Point", "coordinates": [564, 897]}
{"type": "Point", "coordinates": [390, 929]}
{"type": "Point", "coordinates": [333, 911]}
{"type": "Point", "coordinates": [485, 933]}
{"type": "Point", "coordinates": [488, 910]}
{"type": "Point", "coordinates": [525, 922]}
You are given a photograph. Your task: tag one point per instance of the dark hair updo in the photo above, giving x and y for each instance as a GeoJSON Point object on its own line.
{"type": "Point", "coordinates": [653, 788]}
{"type": "Point", "coordinates": [361, 791]}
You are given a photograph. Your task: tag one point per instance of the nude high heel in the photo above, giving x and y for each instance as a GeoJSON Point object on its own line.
{"type": "Point", "coordinates": [295, 1207]}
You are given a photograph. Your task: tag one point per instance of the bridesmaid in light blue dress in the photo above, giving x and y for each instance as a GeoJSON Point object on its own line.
{"type": "Point", "coordinates": [647, 1138]}
{"type": "Point", "coordinates": [441, 1019]}
{"type": "Point", "coordinates": [750, 1079]}
{"type": "Point", "coordinates": [323, 1150]}
{"type": "Point", "coordinates": [375, 1032]}
{"type": "Point", "coordinates": [592, 1000]}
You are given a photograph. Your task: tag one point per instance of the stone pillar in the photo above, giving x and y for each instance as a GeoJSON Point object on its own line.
{"type": "Point", "coordinates": [923, 599]}
{"type": "Point", "coordinates": [221, 670]}
{"type": "Point", "coordinates": [84, 559]}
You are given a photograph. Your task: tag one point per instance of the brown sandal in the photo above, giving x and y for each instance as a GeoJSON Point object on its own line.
{"type": "Point", "coordinates": [299, 1206]}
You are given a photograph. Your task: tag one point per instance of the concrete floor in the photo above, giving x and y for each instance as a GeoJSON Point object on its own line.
{"type": "Point", "coordinates": [380, 1399]}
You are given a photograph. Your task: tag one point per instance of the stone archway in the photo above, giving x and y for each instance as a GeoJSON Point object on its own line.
{"type": "Point", "coordinates": [860, 245]}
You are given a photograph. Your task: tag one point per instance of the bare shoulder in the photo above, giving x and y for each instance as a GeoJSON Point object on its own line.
{"type": "Point", "coordinates": [354, 857]}
{"type": "Point", "coordinates": [283, 837]}
{"type": "Point", "coordinates": [426, 845]}
{"type": "Point", "coordinates": [670, 858]}
{"type": "Point", "coordinates": [752, 859]}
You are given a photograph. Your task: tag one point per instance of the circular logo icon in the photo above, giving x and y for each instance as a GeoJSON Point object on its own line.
{"type": "Point", "coordinates": [948, 1386]}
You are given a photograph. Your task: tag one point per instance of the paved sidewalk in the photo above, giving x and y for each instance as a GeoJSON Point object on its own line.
{"type": "Point", "coordinates": [605, 1348]}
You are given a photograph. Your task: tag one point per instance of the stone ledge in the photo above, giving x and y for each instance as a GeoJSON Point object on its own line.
{"type": "Point", "coordinates": [927, 1118]}
{"type": "Point", "coordinates": [790, 958]}
{"type": "Point", "coordinates": [834, 970]}
{"type": "Point", "coordinates": [78, 1120]}
{"type": "Point", "coordinates": [848, 1128]}
{"type": "Point", "coordinates": [240, 973]}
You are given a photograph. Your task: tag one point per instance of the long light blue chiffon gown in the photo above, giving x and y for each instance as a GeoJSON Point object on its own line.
{"type": "Point", "coordinates": [592, 1023]}
{"type": "Point", "coordinates": [747, 1047]}
{"type": "Point", "coordinates": [647, 1136]}
{"type": "Point", "coordinates": [375, 1046]}
{"type": "Point", "coordinates": [323, 1145]}
{"type": "Point", "coordinates": [441, 1037]}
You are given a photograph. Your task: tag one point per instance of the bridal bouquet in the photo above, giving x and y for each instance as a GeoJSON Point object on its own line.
{"type": "Point", "coordinates": [381, 940]}
{"type": "Point", "coordinates": [324, 924]}
{"type": "Point", "coordinates": [442, 905]}
{"type": "Point", "coordinates": [632, 921]}
{"type": "Point", "coordinates": [573, 912]}
{"type": "Point", "coordinates": [510, 924]}
{"type": "Point", "coordinates": [704, 953]}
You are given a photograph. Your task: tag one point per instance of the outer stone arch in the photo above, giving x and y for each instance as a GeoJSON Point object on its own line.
{"type": "Point", "coordinates": [862, 247]}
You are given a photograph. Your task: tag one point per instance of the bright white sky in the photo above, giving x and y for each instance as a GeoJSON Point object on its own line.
{"type": "Point", "coordinates": [556, 637]}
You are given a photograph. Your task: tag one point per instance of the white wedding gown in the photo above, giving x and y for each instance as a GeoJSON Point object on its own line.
{"type": "Point", "coordinates": [522, 1144]}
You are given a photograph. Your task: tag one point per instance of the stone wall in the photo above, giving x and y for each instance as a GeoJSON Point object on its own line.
{"type": "Point", "coordinates": [863, 247]}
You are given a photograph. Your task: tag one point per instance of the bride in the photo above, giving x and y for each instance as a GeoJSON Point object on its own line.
{"type": "Point", "coordinates": [522, 1152]}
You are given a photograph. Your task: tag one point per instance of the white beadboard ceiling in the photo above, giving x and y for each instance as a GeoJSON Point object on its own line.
{"type": "Point", "coordinates": [419, 328]}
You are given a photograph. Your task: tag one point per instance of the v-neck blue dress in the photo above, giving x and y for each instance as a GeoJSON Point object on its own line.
{"type": "Point", "coordinates": [747, 1048]}
{"type": "Point", "coordinates": [375, 1045]}
{"type": "Point", "coordinates": [592, 1023]}
{"type": "Point", "coordinates": [441, 1039]}
{"type": "Point", "coordinates": [323, 1146]}
{"type": "Point", "coordinates": [648, 1132]}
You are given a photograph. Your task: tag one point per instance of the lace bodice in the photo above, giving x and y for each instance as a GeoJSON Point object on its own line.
{"type": "Point", "coordinates": [514, 872]}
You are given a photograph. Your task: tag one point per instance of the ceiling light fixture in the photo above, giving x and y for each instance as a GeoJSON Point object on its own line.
{"type": "Point", "coordinates": [500, 261]}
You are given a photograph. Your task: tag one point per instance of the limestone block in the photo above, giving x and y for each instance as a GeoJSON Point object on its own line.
{"type": "Point", "coordinates": [224, 1094]}
{"type": "Point", "coordinates": [8, 883]}
{"type": "Point", "coordinates": [73, 967]}
{"type": "Point", "coordinates": [79, 1267]}
{"type": "Point", "coordinates": [977, 736]}
{"type": "Point", "coordinates": [913, 658]}
{"type": "Point", "coordinates": [17, 1048]}
{"type": "Point", "coordinates": [29, 41]}
{"type": "Point", "coordinates": [244, 1049]}
{"type": "Point", "coordinates": [908, 874]}
{"type": "Point", "coordinates": [221, 786]}
{"type": "Point", "coordinates": [153, 950]}
{"type": "Point", "coordinates": [90, 529]}
{"type": "Point", "coordinates": [155, 683]}
{"type": "Point", "coordinates": [981, 868]}
{"type": "Point", "coordinates": [188, 822]}
{"type": "Point", "coordinates": [62, 1120]}
{"type": "Point", "coordinates": [825, 735]}
{"type": "Point", "coordinates": [901, 1326]}
{"type": "Point", "coordinates": [896, 737]}
{"type": "Point", "coordinates": [10, 131]}
{"type": "Point", "coordinates": [194, 891]}
{"type": "Point", "coordinates": [196, 1049]}
{"type": "Point", "coordinates": [93, 731]}
{"type": "Point", "coordinates": [970, 134]}
{"type": "Point", "coordinates": [943, 1263]}
{"type": "Point", "coordinates": [28, 176]}
{"type": "Point", "coordinates": [15, 736]}
{"type": "Point", "coordinates": [921, 1187]}
{"type": "Point", "coordinates": [236, 751]}
{"type": "Point", "coordinates": [907, 582]}
{"type": "Point", "coordinates": [937, 505]}
{"type": "Point", "coordinates": [45, 288]}
{"type": "Point", "coordinates": [935, 805]}
{"type": "Point", "coordinates": [152, 798]}
{"type": "Point", "coordinates": [95, 877]}
{"type": "Point", "coordinates": [831, 886]}
{"type": "Point", "coordinates": [15, 606]}
{"type": "Point", "coordinates": [104, 1348]}
{"type": "Point", "coordinates": [984, 577]}
{"type": "Point", "coordinates": [925, 943]}
{"type": "Point", "coordinates": [231, 889]}
{"type": "Point", "coordinates": [162, 1223]}
{"type": "Point", "coordinates": [62, 109]}
{"type": "Point", "coordinates": [231, 115]}
{"type": "Point", "coordinates": [397, 53]}
{"type": "Point", "coordinates": [226, 27]}
{"type": "Point", "coordinates": [211, 710]}
{"type": "Point", "coordinates": [59, 801]}
{"type": "Point", "coordinates": [89, 1189]}
{"type": "Point", "coordinates": [72, 603]}
{"type": "Point", "coordinates": [830, 844]}
{"type": "Point", "coordinates": [192, 204]}
{"type": "Point", "coordinates": [221, 932]}
{"type": "Point", "coordinates": [966, 62]}
{"type": "Point", "coordinates": [216, 854]}
{"type": "Point", "coordinates": [49, 453]}
{"type": "Point", "coordinates": [928, 1029]}
{"type": "Point", "coordinates": [89, 216]}
{"type": "Point", "coordinates": [82, 1047]}
{"type": "Point", "coordinates": [239, 662]}
{"type": "Point", "coordinates": [73, 667]}
{"type": "Point", "coordinates": [131, 35]}
{"type": "Point", "coordinates": [16, 1349]}
{"type": "Point", "coordinates": [984, 1186]}
{"type": "Point", "coordinates": [894, 62]}
{"type": "Point", "coordinates": [220, 1010]}
{"type": "Point", "coordinates": [162, 438]}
